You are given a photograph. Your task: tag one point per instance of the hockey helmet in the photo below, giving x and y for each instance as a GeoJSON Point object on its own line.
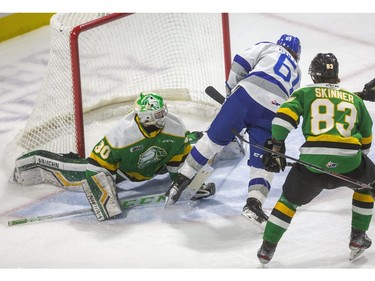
{"type": "Point", "coordinates": [291, 43]}
{"type": "Point", "coordinates": [323, 67]}
{"type": "Point", "coordinates": [151, 109]}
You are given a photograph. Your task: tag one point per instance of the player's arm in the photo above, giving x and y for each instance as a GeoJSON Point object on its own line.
{"type": "Point", "coordinates": [177, 160]}
{"type": "Point", "coordinates": [287, 118]}
{"type": "Point", "coordinates": [102, 159]}
{"type": "Point", "coordinates": [365, 128]}
{"type": "Point", "coordinates": [242, 64]}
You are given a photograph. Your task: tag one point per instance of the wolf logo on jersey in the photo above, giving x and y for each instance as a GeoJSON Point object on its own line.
{"type": "Point", "coordinates": [151, 155]}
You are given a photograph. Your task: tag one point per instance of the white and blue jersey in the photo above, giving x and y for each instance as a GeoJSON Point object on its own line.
{"type": "Point", "coordinates": [268, 72]}
{"type": "Point", "coordinates": [261, 79]}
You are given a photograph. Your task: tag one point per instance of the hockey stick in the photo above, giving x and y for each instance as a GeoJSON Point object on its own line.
{"type": "Point", "coordinates": [333, 174]}
{"type": "Point", "coordinates": [214, 94]}
{"type": "Point", "coordinates": [125, 204]}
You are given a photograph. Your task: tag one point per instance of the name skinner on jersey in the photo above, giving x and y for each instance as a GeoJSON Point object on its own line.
{"type": "Point", "coordinates": [331, 93]}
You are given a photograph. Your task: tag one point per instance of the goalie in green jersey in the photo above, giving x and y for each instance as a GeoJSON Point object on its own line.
{"type": "Point", "coordinates": [148, 141]}
{"type": "Point", "coordinates": [338, 134]}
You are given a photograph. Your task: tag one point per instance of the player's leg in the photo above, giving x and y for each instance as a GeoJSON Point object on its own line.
{"type": "Point", "coordinates": [40, 166]}
{"type": "Point", "coordinates": [101, 193]}
{"type": "Point", "coordinates": [260, 180]}
{"type": "Point", "coordinates": [231, 116]}
{"type": "Point", "coordinates": [362, 208]}
{"type": "Point", "coordinates": [300, 187]}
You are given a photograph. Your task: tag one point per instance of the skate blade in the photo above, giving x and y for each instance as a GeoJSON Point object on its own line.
{"type": "Point", "coordinates": [354, 254]}
{"type": "Point", "coordinates": [168, 202]}
{"type": "Point", "coordinates": [168, 199]}
{"type": "Point", "coordinates": [248, 215]}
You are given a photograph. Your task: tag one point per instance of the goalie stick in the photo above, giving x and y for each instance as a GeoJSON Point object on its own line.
{"type": "Point", "coordinates": [125, 204]}
{"type": "Point", "coordinates": [333, 174]}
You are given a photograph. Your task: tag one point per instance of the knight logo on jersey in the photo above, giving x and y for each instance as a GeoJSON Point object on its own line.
{"type": "Point", "coordinates": [275, 103]}
{"type": "Point", "coordinates": [331, 165]}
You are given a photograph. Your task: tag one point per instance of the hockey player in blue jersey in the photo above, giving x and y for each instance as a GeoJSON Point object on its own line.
{"type": "Point", "coordinates": [261, 78]}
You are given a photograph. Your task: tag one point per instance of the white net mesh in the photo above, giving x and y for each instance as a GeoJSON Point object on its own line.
{"type": "Point", "coordinates": [177, 55]}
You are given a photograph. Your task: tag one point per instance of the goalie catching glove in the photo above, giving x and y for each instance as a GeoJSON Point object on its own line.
{"type": "Point", "coordinates": [273, 162]}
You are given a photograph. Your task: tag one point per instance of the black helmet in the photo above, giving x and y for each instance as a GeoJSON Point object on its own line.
{"type": "Point", "coordinates": [324, 68]}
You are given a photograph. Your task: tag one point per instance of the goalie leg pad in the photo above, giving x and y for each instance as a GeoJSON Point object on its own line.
{"type": "Point", "coordinates": [40, 166]}
{"type": "Point", "coordinates": [101, 194]}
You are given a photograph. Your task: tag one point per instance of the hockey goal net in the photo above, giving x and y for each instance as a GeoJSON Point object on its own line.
{"type": "Point", "coordinates": [99, 63]}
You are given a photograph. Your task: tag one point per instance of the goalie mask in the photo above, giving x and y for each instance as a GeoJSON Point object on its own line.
{"type": "Point", "coordinates": [151, 109]}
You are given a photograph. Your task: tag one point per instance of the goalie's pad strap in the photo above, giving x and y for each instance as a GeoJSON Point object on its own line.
{"type": "Point", "coordinates": [101, 194]}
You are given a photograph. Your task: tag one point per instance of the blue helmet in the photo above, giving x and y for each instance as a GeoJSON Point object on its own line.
{"type": "Point", "coordinates": [291, 43]}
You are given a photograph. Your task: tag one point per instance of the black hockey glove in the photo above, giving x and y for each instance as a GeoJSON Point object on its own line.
{"type": "Point", "coordinates": [372, 191]}
{"type": "Point", "coordinates": [272, 162]}
{"type": "Point", "coordinates": [368, 92]}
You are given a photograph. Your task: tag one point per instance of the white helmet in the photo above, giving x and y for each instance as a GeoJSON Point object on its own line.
{"type": "Point", "coordinates": [151, 109]}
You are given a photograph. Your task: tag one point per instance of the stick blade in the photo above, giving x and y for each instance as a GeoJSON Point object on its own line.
{"type": "Point", "coordinates": [214, 94]}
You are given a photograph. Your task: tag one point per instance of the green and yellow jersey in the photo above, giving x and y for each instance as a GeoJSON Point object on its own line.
{"type": "Point", "coordinates": [129, 151]}
{"type": "Point", "coordinates": [335, 123]}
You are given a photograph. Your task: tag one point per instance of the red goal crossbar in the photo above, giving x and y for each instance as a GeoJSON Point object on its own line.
{"type": "Point", "coordinates": [76, 75]}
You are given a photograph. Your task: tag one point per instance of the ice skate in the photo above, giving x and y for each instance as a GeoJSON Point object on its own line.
{"type": "Point", "coordinates": [205, 191]}
{"type": "Point", "coordinates": [266, 251]}
{"type": "Point", "coordinates": [359, 242]}
{"type": "Point", "coordinates": [175, 190]}
{"type": "Point", "coordinates": [253, 211]}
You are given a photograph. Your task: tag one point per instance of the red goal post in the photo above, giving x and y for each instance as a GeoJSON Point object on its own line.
{"type": "Point", "coordinates": [99, 62]}
{"type": "Point", "coordinates": [74, 47]}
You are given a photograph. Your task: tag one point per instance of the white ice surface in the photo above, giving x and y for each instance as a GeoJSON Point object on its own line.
{"type": "Point", "coordinates": [210, 234]}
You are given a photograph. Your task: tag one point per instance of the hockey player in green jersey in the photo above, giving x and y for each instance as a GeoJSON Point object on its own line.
{"type": "Point", "coordinates": [148, 141]}
{"type": "Point", "coordinates": [338, 134]}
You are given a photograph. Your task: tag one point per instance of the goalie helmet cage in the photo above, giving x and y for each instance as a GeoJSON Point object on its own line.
{"type": "Point", "coordinates": [99, 63]}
